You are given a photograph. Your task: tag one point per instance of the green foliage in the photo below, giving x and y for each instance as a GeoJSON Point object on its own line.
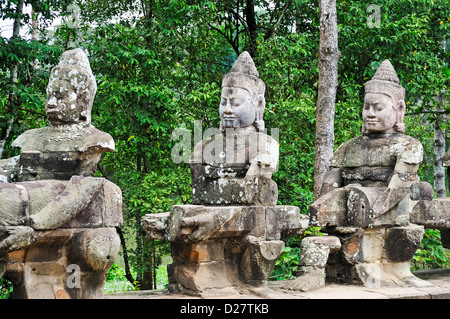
{"type": "Point", "coordinates": [431, 254]}
{"type": "Point", "coordinates": [286, 266]}
{"type": "Point", "coordinates": [159, 66]}
{"type": "Point", "coordinates": [6, 288]}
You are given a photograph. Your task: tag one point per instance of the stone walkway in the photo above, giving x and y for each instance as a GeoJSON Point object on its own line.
{"type": "Point", "coordinates": [440, 279]}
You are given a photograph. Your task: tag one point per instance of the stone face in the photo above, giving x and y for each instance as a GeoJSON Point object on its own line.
{"type": "Point", "coordinates": [57, 235]}
{"type": "Point", "coordinates": [231, 235]}
{"type": "Point", "coordinates": [70, 145]}
{"type": "Point", "coordinates": [71, 90]}
{"type": "Point", "coordinates": [371, 196]}
{"type": "Point", "coordinates": [236, 166]}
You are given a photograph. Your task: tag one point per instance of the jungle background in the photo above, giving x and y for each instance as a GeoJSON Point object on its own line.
{"type": "Point", "coordinates": [159, 66]}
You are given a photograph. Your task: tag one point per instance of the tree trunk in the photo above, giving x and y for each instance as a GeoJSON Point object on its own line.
{"type": "Point", "coordinates": [439, 152]}
{"type": "Point", "coordinates": [13, 76]}
{"type": "Point", "coordinates": [280, 18]}
{"type": "Point", "coordinates": [328, 81]}
{"type": "Point", "coordinates": [128, 274]}
{"type": "Point", "coordinates": [252, 26]}
{"type": "Point", "coordinates": [439, 142]}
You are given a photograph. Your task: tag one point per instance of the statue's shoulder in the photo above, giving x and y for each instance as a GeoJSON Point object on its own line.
{"type": "Point", "coordinates": [27, 138]}
{"type": "Point", "coordinates": [340, 153]}
{"type": "Point", "coordinates": [65, 139]}
{"type": "Point", "coordinates": [407, 149]}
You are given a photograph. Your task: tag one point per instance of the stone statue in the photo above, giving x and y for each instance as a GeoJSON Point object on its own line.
{"type": "Point", "coordinates": [70, 145]}
{"type": "Point", "coordinates": [367, 198]}
{"type": "Point", "coordinates": [231, 236]}
{"type": "Point", "coordinates": [57, 217]}
{"type": "Point", "coordinates": [236, 166]}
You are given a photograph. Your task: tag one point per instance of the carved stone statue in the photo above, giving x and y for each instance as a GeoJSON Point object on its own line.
{"type": "Point", "coordinates": [70, 145]}
{"type": "Point", "coordinates": [236, 166]}
{"type": "Point", "coordinates": [57, 235]}
{"type": "Point", "coordinates": [231, 236]}
{"type": "Point", "coordinates": [368, 195]}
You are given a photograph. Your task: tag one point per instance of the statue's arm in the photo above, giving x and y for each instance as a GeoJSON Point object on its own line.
{"type": "Point", "coordinates": [405, 175]}
{"type": "Point", "coordinates": [78, 194]}
{"type": "Point", "coordinates": [332, 180]}
{"type": "Point", "coordinates": [265, 163]}
{"type": "Point", "coordinates": [8, 169]}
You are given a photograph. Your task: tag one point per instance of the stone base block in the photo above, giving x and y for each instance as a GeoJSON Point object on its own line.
{"type": "Point", "coordinates": [222, 248]}
{"type": "Point", "coordinates": [63, 264]}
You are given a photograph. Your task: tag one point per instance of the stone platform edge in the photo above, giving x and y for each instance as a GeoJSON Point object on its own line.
{"type": "Point", "coordinates": [440, 278]}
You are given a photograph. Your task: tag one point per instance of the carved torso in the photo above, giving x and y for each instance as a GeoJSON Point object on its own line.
{"type": "Point", "coordinates": [370, 161]}
{"type": "Point", "coordinates": [60, 152]}
{"type": "Point", "coordinates": [220, 164]}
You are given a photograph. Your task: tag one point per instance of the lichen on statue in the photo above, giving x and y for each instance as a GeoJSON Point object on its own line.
{"type": "Point", "coordinates": [70, 145]}
{"type": "Point", "coordinates": [382, 157]}
{"type": "Point", "coordinates": [49, 197]}
{"type": "Point", "coordinates": [235, 166]}
{"type": "Point", "coordinates": [368, 194]}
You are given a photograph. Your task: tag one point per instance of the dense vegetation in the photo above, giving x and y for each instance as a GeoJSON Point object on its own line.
{"type": "Point", "coordinates": [159, 65]}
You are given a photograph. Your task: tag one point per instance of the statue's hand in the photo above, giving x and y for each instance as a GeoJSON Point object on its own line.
{"type": "Point", "coordinates": [261, 166]}
{"type": "Point", "coordinates": [198, 227]}
{"type": "Point", "coordinates": [16, 237]}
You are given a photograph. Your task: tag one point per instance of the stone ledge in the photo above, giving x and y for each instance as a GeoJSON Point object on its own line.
{"type": "Point", "coordinates": [440, 278]}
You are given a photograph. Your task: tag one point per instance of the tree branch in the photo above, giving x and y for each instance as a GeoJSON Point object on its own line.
{"type": "Point", "coordinates": [128, 274]}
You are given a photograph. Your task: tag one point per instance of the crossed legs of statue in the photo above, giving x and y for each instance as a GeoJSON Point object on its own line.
{"type": "Point", "coordinates": [363, 249]}
{"type": "Point", "coordinates": [58, 238]}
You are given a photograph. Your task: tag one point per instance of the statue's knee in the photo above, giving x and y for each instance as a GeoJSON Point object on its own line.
{"type": "Point", "coordinates": [402, 242]}
{"type": "Point", "coordinates": [421, 190]}
{"type": "Point", "coordinates": [95, 249]}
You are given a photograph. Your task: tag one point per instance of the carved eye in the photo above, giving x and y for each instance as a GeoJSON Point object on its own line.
{"type": "Point", "coordinates": [236, 102]}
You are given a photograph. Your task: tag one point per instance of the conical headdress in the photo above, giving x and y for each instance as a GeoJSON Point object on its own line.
{"type": "Point", "coordinates": [76, 57]}
{"type": "Point", "coordinates": [74, 67]}
{"type": "Point", "coordinates": [385, 80]}
{"type": "Point", "coordinates": [244, 75]}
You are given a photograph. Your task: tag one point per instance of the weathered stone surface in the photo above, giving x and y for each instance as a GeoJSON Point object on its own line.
{"type": "Point", "coordinates": [70, 145]}
{"type": "Point", "coordinates": [402, 242]}
{"type": "Point", "coordinates": [8, 169]}
{"type": "Point", "coordinates": [43, 270]}
{"type": "Point", "coordinates": [239, 242]}
{"type": "Point", "coordinates": [199, 223]}
{"type": "Point", "coordinates": [236, 166]}
{"type": "Point", "coordinates": [231, 236]}
{"type": "Point", "coordinates": [368, 194]}
{"type": "Point", "coordinates": [221, 169]}
{"type": "Point", "coordinates": [56, 223]}
{"type": "Point", "coordinates": [434, 214]}
{"type": "Point", "coordinates": [329, 209]}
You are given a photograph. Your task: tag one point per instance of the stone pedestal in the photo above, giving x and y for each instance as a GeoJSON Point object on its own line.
{"type": "Point", "coordinates": [72, 260]}
{"type": "Point", "coordinates": [223, 248]}
{"type": "Point", "coordinates": [63, 264]}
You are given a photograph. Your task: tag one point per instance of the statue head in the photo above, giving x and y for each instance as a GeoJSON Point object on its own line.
{"type": "Point", "coordinates": [71, 90]}
{"type": "Point", "coordinates": [384, 105]}
{"type": "Point", "coordinates": [242, 101]}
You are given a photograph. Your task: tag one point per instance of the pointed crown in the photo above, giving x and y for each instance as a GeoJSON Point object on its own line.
{"type": "Point", "coordinates": [385, 80]}
{"type": "Point", "coordinates": [75, 64]}
{"type": "Point", "coordinates": [244, 75]}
